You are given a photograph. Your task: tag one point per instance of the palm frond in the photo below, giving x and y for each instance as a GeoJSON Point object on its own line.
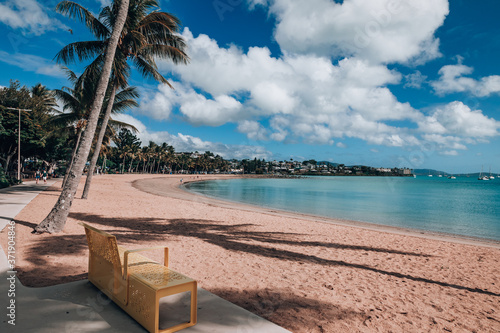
{"type": "Point", "coordinates": [132, 43]}
{"type": "Point", "coordinates": [148, 69]}
{"type": "Point", "coordinates": [62, 120]}
{"type": "Point", "coordinates": [127, 93]}
{"type": "Point", "coordinates": [80, 51]}
{"type": "Point", "coordinates": [75, 10]}
{"type": "Point", "coordinates": [168, 21]}
{"type": "Point", "coordinates": [125, 105]}
{"type": "Point", "coordinates": [120, 73]}
{"type": "Point", "coordinates": [174, 54]}
{"type": "Point", "coordinates": [66, 97]}
{"type": "Point", "coordinates": [119, 125]}
{"type": "Point", "coordinates": [70, 74]}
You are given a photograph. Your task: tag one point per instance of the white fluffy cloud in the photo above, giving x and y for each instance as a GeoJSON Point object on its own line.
{"type": "Point", "coordinates": [213, 112]}
{"type": "Point", "coordinates": [415, 80]}
{"type": "Point", "coordinates": [453, 126]}
{"type": "Point", "coordinates": [253, 129]}
{"type": "Point", "coordinates": [32, 63]}
{"type": "Point", "coordinates": [197, 109]}
{"type": "Point", "coordinates": [458, 119]}
{"type": "Point", "coordinates": [219, 70]}
{"type": "Point", "coordinates": [452, 79]}
{"type": "Point", "coordinates": [302, 96]}
{"type": "Point", "coordinates": [28, 15]}
{"type": "Point", "coordinates": [381, 31]}
{"type": "Point", "coordinates": [158, 105]}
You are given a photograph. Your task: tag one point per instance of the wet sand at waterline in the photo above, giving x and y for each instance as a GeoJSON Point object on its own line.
{"type": "Point", "coordinates": [304, 273]}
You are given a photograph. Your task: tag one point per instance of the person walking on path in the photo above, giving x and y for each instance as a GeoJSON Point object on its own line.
{"type": "Point", "coordinates": [44, 176]}
{"type": "Point", "coordinates": [37, 175]}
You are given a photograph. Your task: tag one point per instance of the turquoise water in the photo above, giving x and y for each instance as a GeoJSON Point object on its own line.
{"type": "Point", "coordinates": [462, 206]}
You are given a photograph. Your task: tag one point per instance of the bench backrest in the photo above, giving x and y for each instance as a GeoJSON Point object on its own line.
{"type": "Point", "coordinates": [105, 269]}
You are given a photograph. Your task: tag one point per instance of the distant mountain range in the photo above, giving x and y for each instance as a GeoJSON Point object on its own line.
{"type": "Point", "coordinates": [426, 172]}
{"type": "Point", "coordinates": [328, 163]}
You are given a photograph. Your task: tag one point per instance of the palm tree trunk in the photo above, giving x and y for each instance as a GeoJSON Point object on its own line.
{"type": "Point", "coordinates": [98, 144]}
{"type": "Point", "coordinates": [9, 159]}
{"type": "Point", "coordinates": [73, 153]}
{"type": "Point", "coordinates": [103, 169]}
{"type": "Point", "coordinates": [56, 220]}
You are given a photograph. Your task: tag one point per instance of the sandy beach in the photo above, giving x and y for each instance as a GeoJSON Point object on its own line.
{"type": "Point", "coordinates": [303, 273]}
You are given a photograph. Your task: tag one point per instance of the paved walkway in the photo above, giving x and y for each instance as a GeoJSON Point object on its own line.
{"type": "Point", "coordinates": [80, 307]}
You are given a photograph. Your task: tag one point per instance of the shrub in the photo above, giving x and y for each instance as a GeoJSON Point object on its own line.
{"type": "Point", "coordinates": [4, 181]}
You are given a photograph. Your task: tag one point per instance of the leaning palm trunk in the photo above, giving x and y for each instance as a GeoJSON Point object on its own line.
{"type": "Point", "coordinates": [130, 167]}
{"type": "Point", "coordinates": [56, 220]}
{"type": "Point", "coordinates": [98, 144]}
{"type": "Point", "coordinates": [103, 168]}
{"type": "Point", "coordinates": [73, 153]}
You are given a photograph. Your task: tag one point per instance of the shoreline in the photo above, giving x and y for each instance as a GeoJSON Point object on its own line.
{"type": "Point", "coordinates": [440, 236]}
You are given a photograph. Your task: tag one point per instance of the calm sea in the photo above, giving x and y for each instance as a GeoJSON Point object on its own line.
{"type": "Point", "coordinates": [462, 206]}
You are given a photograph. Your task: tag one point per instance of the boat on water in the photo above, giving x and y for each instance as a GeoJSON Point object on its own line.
{"type": "Point", "coordinates": [481, 177]}
{"type": "Point", "coordinates": [452, 177]}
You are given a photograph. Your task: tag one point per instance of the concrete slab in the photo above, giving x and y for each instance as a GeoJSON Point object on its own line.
{"type": "Point", "coordinates": [14, 199]}
{"type": "Point", "coordinates": [81, 307]}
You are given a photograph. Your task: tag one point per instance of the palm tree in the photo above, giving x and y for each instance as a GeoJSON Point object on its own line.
{"type": "Point", "coordinates": [162, 155]}
{"type": "Point", "coordinates": [144, 157]}
{"type": "Point", "coordinates": [44, 98]}
{"type": "Point", "coordinates": [169, 158]}
{"type": "Point", "coordinates": [134, 153]}
{"type": "Point", "coordinates": [124, 153]}
{"type": "Point", "coordinates": [105, 148]}
{"type": "Point", "coordinates": [56, 220]}
{"type": "Point", "coordinates": [152, 149]}
{"type": "Point", "coordinates": [77, 102]}
{"type": "Point", "coordinates": [147, 34]}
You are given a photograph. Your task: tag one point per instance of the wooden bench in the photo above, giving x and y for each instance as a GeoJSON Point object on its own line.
{"type": "Point", "coordinates": [133, 281]}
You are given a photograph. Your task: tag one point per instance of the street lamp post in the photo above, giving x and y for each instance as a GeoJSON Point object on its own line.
{"type": "Point", "coordinates": [19, 142]}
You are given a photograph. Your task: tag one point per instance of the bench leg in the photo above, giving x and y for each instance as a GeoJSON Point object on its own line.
{"type": "Point", "coordinates": [194, 303]}
{"type": "Point", "coordinates": [193, 289]}
{"type": "Point", "coordinates": [144, 304]}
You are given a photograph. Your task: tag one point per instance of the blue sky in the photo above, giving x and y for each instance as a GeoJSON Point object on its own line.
{"type": "Point", "coordinates": [389, 83]}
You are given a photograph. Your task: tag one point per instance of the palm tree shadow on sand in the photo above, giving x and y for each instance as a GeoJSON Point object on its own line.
{"type": "Point", "coordinates": [235, 238]}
